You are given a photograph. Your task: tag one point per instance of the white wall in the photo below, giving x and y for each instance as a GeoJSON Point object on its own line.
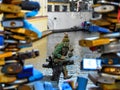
{"type": "Point", "coordinates": [43, 9]}
{"type": "Point", "coordinates": [63, 20]}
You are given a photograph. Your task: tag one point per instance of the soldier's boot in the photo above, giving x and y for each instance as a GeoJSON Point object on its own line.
{"type": "Point", "coordinates": [66, 76]}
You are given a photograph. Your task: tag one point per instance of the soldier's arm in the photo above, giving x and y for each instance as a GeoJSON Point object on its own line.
{"type": "Point", "coordinates": [57, 52]}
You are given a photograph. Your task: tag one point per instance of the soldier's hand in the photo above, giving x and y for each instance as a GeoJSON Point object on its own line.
{"type": "Point", "coordinates": [70, 54]}
{"type": "Point", "coordinates": [63, 57]}
{"type": "Point", "coordinates": [71, 50]}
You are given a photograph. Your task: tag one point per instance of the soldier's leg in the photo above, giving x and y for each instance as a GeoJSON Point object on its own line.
{"type": "Point", "coordinates": [65, 73]}
{"type": "Point", "coordinates": [56, 73]}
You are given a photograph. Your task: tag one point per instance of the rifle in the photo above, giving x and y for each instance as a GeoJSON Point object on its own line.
{"type": "Point", "coordinates": [52, 64]}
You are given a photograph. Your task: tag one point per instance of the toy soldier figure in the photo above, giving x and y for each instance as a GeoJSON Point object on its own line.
{"type": "Point", "coordinates": [60, 54]}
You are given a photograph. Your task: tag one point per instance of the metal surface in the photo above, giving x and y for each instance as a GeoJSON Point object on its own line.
{"type": "Point", "coordinates": [12, 68]}
{"type": "Point", "coordinates": [112, 47]}
{"type": "Point", "coordinates": [104, 8]}
{"type": "Point", "coordinates": [11, 61]}
{"type": "Point", "coordinates": [12, 23]}
{"type": "Point", "coordinates": [20, 81]}
{"type": "Point", "coordinates": [13, 87]}
{"type": "Point", "coordinates": [106, 80]}
{"type": "Point", "coordinates": [111, 35]}
{"type": "Point", "coordinates": [98, 79]}
{"type": "Point", "coordinates": [107, 2]}
{"type": "Point", "coordinates": [116, 77]}
{"type": "Point", "coordinates": [101, 1]}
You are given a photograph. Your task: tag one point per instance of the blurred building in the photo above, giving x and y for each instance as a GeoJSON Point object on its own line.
{"type": "Point", "coordinates": [58, 5]}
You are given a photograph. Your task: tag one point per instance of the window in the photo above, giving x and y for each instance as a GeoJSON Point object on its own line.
{"type": "Point", "coordinates": [64, 8]}
{"type": "Point", "coordinates": [49, 8]}
{"type": "Point", "coordinates": [57, 8]}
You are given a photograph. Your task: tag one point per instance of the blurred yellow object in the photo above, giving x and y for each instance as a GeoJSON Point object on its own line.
{"type": "Point", "coordinates": [2, 61]}
{"type": "Point", "coordinates": [12, 1]}
{"type": "Point", "coordinates": [98, 22]}
{"type": "Point", "coordinates": [18, 37]}
{"type": "Point", "coordinates": [112, 20]}
{"type": "Point", "coordinates": [14, 15]}
{"type": "Point", "coordinates": [24, 31]}
{"type": "Point", "coordinates": [10, 8]}
{"type": "Point", "coordinates": [7, 54]}
{"type": "Point", "coordinates": [112, 15]}
{"type": "Point", "coordinates": [90, 42]}
{"type": "Point", "coordinates": [7, 79]}
{"type": "Point", "coordinates": [16, 1]}
{"type": "Point", "coordinates": [115, 86]}
{"type": "Point", "coordinates": [95, 5]}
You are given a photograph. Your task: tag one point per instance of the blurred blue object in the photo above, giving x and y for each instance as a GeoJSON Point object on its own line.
{"type": "Point", "coordinates": [27, 45]}
{"type": "Point", "coordinates": [30, 5]}
{"type": "Point", "coordinates": [43, 86]}
{"type": "Point", "coordinates": [94, 28]}
{"type": "Point", "coordinates": [66, 86]}
{"type": "Point", "coordinates": [86, 25]}
{"type": "Point", "coordinates": [38, 86]}
{"type": "Point", "coordinates": [1, 40]}
{"type": "Point", "coordinates": [37, 75]}
{"type": "Point", "coordinates": [26, 72]}
{"type": "Point", "coordinates": [106, 61]}
{"type": "Point", "coordinates": [29, 26]}
{"type": "Point", "coordinates": [31, 14]}
{"type": "Point", "coordinates": [48, 86]}
{"type": "Point", "coordinates": [81, 83]}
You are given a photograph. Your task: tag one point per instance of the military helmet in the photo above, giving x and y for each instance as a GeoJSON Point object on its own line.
{"type": "Point", "coordinates": [65, 38]}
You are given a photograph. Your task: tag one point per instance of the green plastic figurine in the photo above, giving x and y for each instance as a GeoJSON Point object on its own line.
{"type": "Point", "coordinates": [62, 52]}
